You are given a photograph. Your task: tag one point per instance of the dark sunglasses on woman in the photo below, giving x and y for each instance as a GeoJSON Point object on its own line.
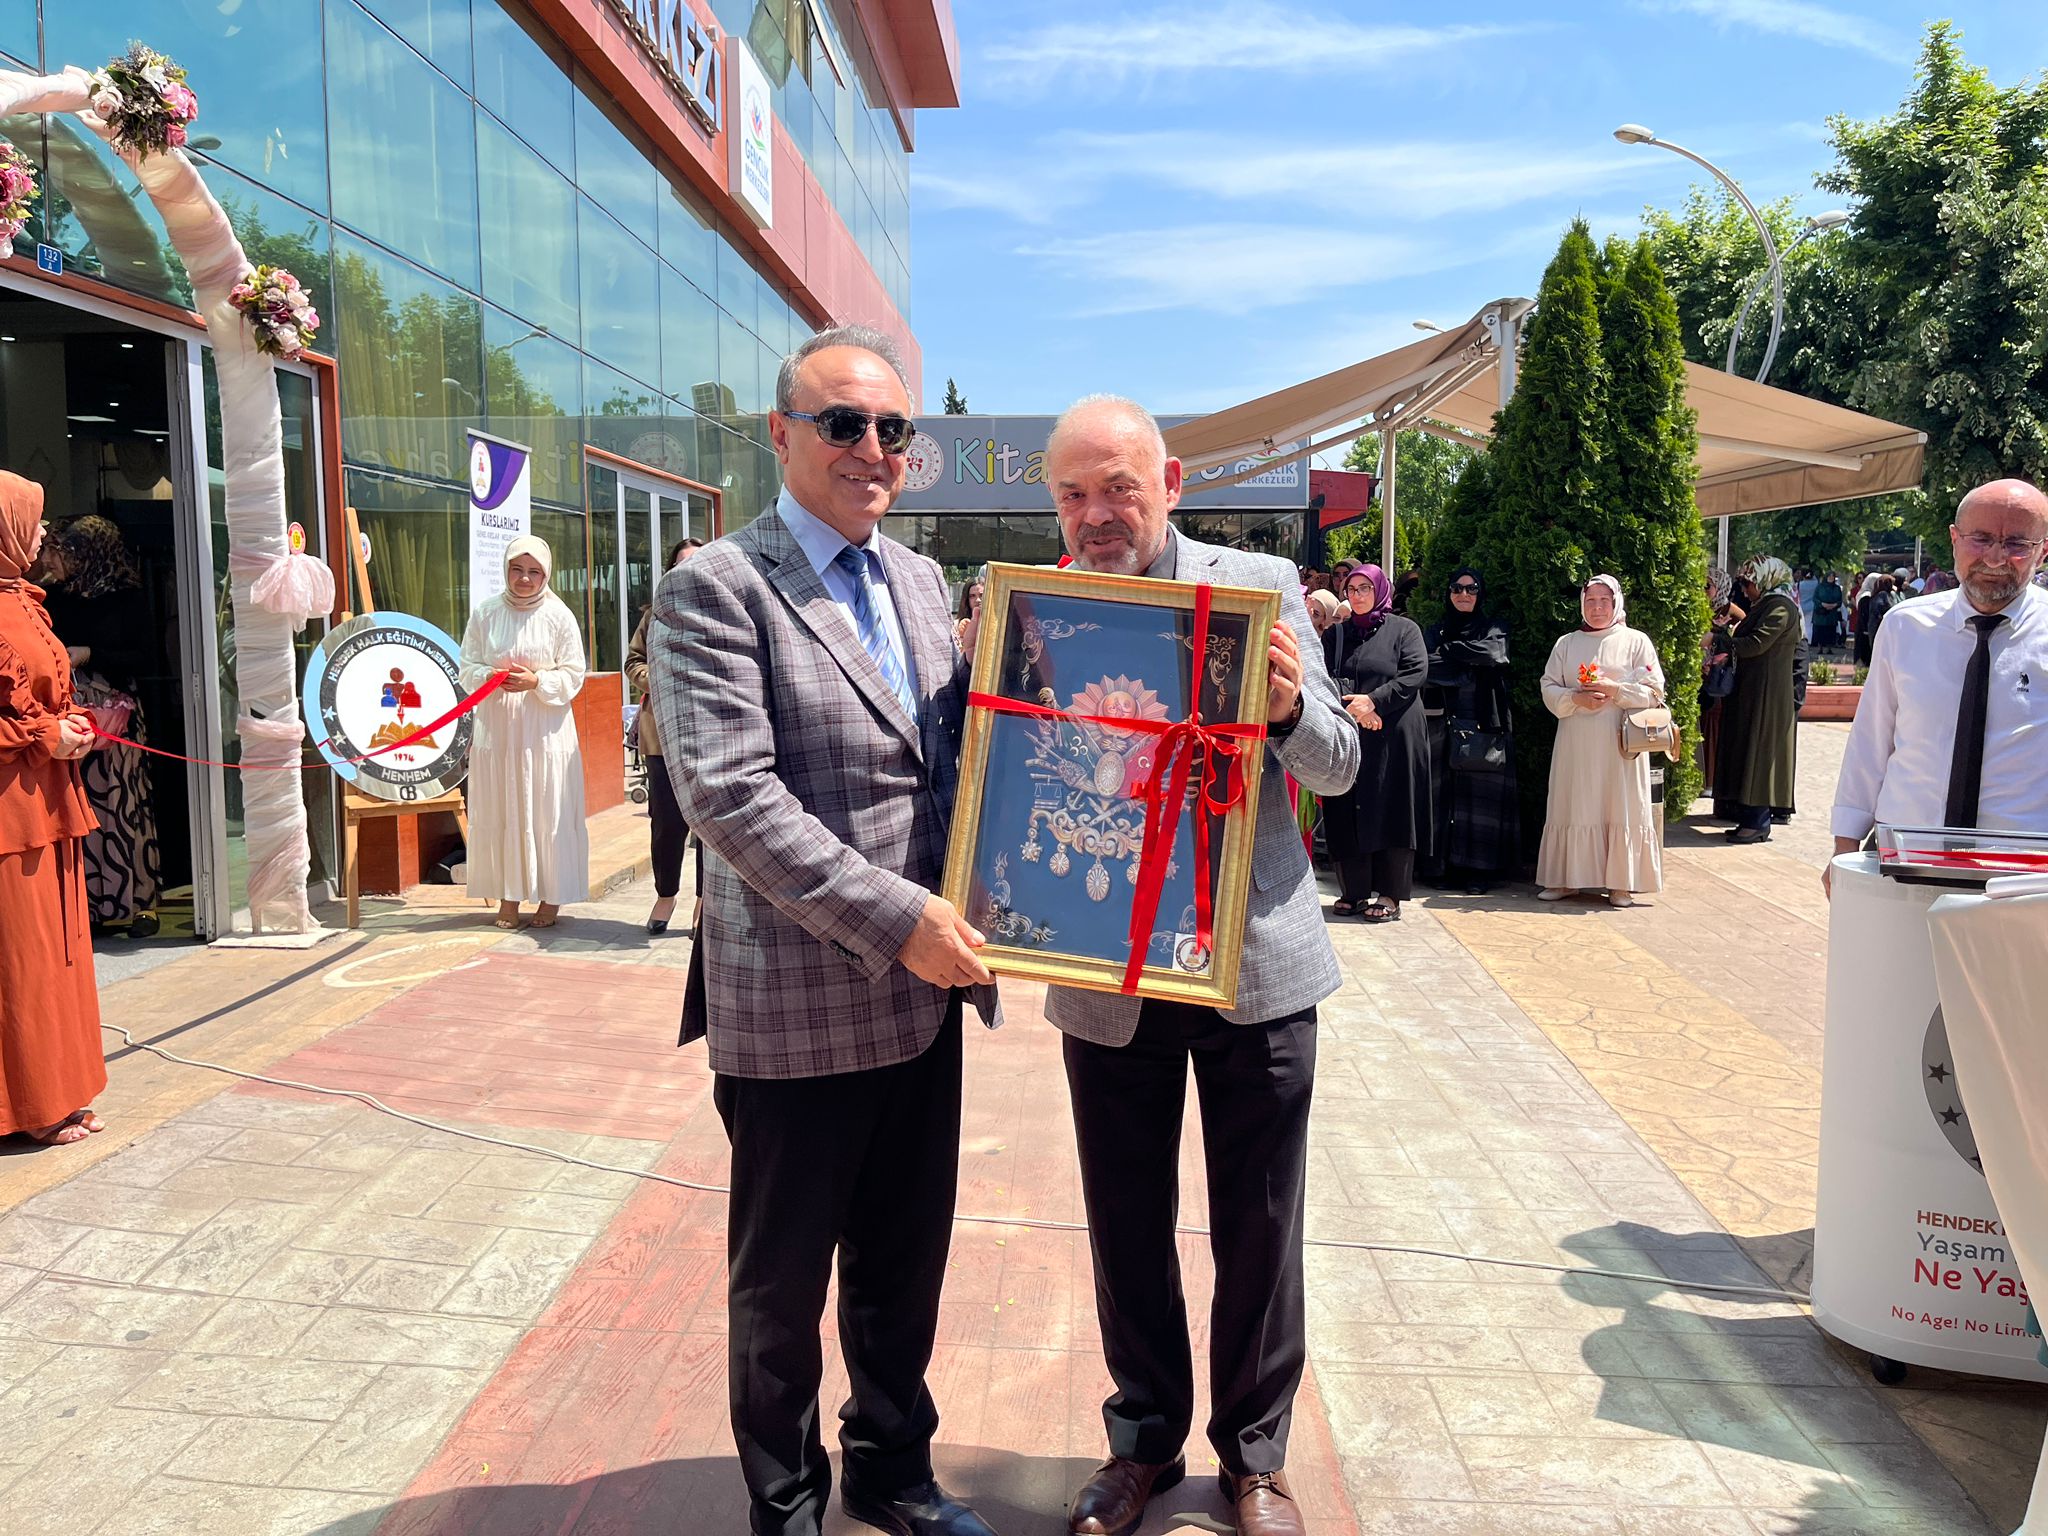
{"type": "Point", "coordinates": [1464, 586]}
{"type": "Point", "coordinates": [843, 427]}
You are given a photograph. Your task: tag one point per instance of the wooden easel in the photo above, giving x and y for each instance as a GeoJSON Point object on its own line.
{"type": "Point", "coordinates": [356, 806]}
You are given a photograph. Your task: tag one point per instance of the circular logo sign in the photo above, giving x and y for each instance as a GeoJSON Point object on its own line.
{"type": "Point", "coordinates": [923, 462]}
{"type": "Point", "coordinates": [479, 469]}
{"type": "Point", "coordinates": [295, 535]}
{"type": "Point", "coordinates": [377, 680]}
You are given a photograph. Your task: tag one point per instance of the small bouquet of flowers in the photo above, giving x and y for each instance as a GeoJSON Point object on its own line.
{"type": "Point", "coordinates": [1589, 673]}
{"type": "Point", "coordinates": [142, 98]}
{"type": "Point", "coordinates": [284, 317]}
{"type": "Point", "coordinates": [17, 191]}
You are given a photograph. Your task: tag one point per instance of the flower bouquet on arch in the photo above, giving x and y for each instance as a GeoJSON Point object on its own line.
{"type": "Point", "coordinates": [142, 98]}
{"type": "Point", "coordinates": [17, 191]}
{"type": "Point", "coordinates": [278, 309]}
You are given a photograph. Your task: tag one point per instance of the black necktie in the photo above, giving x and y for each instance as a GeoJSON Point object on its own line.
{"type": "Point", "coordinates": [1966, 768]}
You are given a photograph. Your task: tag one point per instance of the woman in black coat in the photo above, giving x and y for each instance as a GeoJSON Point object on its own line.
{"type": "Point", "coordinates": [1378, 661]}
{"type": "Point", "coordinates": [1478, 821]}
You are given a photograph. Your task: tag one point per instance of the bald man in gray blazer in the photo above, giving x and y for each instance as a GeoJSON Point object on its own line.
{"type": "Point", "coordinates": [1127, 1059]}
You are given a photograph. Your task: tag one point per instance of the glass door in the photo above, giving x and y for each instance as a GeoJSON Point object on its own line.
{"type": "Point", "coordinates": [653, 515]}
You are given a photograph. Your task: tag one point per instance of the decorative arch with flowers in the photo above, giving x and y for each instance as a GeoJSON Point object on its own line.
{"type": "Point", "coordinates": [140, 104]}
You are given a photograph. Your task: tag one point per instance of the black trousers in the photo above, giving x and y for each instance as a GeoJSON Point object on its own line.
{"type": "Point", "coordinates": [864, 1164]}
{"type": "Point", "coordinates": [1390, 871]}
{"type": "Point", "coordinates": [667, 831]}
{"type": "Point", "coordinates": [1254, 1083]}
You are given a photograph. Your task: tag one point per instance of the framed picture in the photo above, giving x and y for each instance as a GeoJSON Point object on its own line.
{"type": "Point", "coordinates": [1047, 856]}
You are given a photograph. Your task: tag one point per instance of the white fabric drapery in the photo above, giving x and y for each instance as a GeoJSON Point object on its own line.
{"type": "Point", "coordinates": [252, 443]}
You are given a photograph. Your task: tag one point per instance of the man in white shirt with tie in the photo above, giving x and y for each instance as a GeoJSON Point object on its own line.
{"type": "Point", "coordinates": [1952, 729]}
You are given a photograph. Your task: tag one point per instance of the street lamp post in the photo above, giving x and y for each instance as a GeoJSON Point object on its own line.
{"type": "Point", "coordinates": [1636, 133]}
{"type": "Point", "coordinates": [1820, 223]}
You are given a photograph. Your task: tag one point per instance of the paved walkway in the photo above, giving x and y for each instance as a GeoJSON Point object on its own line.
{"type": "Point", "coordinates": [258, 1311]}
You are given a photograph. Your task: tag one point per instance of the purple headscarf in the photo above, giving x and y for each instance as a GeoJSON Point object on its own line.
{"type": "Point", "coordinates": [1382, 599]}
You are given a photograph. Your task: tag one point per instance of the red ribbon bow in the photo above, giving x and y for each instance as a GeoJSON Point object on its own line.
{"type": "Point", "coordinates": [1219, 749]}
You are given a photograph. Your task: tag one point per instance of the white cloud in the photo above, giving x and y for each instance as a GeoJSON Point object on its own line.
{"type": "Point", "coordinates": [1806, 21]}
{"type": "Point", "coordinates": [1255, 36]}
{"type": "Point", "coordinates": [1383, 181]}
{"type": "Point", "coordinates": [1380, 184]}
{"type": "Point", "coordinates": [1230, 269]}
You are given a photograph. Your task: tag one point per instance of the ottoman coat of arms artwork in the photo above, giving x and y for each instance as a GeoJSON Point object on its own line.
{"type": "Point", "coordinates": [1109, 781]}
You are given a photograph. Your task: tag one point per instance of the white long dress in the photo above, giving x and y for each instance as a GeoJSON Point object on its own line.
{"type": "Point", "coordinates": [1601, 832]}
{"type": "Point", "coordinates": [527, 837]}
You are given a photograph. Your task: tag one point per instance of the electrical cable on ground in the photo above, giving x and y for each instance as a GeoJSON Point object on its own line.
{"type": "Point", "coordinates": [1663, 1282]}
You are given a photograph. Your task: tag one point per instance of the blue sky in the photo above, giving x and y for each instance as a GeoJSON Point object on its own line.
{"type": "Point", "coordinates": [1193, 204]}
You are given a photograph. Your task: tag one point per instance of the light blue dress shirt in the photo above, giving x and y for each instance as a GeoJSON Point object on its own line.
{"type": "Point", "coordinates": [821, 543]}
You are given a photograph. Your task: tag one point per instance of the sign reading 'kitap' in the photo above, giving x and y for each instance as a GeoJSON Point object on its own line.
{"type": "Point", "coordinates": [997, 464]}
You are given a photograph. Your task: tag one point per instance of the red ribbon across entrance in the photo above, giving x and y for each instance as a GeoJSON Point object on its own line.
{"type": "Point", "coordinates": [462, 707]}
{"type": "Point", "coordinates": [1220, 789]}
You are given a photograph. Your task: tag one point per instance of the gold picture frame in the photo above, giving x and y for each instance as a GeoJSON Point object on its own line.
{"type": "Point", "coordinates": [1048, 827]}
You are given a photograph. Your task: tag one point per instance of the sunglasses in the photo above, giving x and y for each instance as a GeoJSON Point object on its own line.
{"type": "Point", "coordinates": [1464, 586]}
{"type": "Point", "coordinates": [844, 427]}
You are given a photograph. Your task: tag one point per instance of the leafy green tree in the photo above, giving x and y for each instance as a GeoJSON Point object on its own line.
{"type": "Point", "coordinates": [1426, 470]}
{"type": "Point", "coordinates": [955, 402]}
{"type": "Point", "coordinates": [1947, 279]}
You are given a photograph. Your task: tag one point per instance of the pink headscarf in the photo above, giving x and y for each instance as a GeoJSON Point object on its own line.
{"type": "Point", "coordinates": [21, 515]}
{"type": "Point", "coordinates": [1382, 598]}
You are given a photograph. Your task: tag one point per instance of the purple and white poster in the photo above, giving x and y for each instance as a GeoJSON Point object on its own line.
{"type": "Point", "coordinates": [500, 509]}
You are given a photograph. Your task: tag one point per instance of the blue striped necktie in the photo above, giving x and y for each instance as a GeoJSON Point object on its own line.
{"type": "Point", "coordinates": [868, 619]}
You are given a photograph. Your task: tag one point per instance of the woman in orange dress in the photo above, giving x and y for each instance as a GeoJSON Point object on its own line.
{"type": "Point", "coordinates": [52, 1065]}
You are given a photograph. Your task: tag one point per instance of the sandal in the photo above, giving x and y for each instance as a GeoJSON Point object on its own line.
{"type": "Point", "coordinates": [69, 1131]}
{"type": "Point", "coordinates": [1343, 908]}
{"type": "Point", "coordinates": [543, 917]}
{"type": "Point", "coordinates": [1380, 912]}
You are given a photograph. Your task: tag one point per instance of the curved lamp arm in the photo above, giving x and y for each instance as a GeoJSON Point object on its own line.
{"type": "Point", "coordinates": [1777, 271]}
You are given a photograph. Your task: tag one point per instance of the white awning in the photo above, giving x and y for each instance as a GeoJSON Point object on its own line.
{"type": "Point", "coordinates": [1761, 449]}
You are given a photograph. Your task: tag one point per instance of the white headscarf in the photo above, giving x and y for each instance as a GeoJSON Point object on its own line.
{"type": "Point", "coordinates": [537, 549]}
{"type": "Point", "coordinates": [1620, 605]}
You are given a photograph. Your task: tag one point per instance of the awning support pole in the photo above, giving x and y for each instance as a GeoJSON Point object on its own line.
{"type": "Point", "coordinates": [1387, 503]}
{"type": "Point", "coordinates": [1722, 558]}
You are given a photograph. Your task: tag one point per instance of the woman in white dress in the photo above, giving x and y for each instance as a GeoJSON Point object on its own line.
{"type": "Point", "coordinates": [1601, 832]}
{"type": "Point", "coordinates": [527, 837]}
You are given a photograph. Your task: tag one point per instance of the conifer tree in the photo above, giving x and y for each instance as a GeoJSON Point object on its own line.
{"type": "Point", "coordinates": [955, 403]}
{"type": "Point", "coordinates": [1655, 541]}
{"type": "Point", "coordinates": [1545, 524]}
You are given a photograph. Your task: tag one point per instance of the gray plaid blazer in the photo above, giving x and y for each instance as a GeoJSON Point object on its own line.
{"type": "Point", "coordinates": [824, 806]}
{"type": "Point", "coordinates": [1288, 962]}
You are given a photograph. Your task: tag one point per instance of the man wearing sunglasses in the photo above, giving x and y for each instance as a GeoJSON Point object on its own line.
{"type": "Point", "coordinates": [1952, 729]}
{"type": "Point", "coordinates": [808, 669]}
{"type": "Point", "coordinates": [1127, 1060]}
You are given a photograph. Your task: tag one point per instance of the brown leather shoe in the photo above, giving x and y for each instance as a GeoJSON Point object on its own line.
{"type": "Point", "coordinates": [1112, 1501]}
{"type": "Point", "coordinates": [1263, 1504]}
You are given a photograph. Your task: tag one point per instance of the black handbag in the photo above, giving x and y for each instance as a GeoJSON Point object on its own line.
{"type": "Point", "coordinates": [1719, 682]}
{"type": "Point", "coordinates": [1475, 749]}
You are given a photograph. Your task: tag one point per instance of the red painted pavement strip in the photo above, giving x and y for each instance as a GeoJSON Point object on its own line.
{"type": "Point", "coordinates": [610, 1415]}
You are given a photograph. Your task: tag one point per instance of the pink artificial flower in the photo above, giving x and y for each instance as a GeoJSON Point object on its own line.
{"type": "Point", "coordinates": [175, 135]}
{"type": "Point", "coordinates": [309, 322]}
{"type": "Point", "coordinates": [183, 104]}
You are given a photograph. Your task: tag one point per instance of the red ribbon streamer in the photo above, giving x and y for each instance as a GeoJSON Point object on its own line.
{"type": "Point", "coordinates": [462, 707]}
{"type": "Point", "coordinates": [1220, 790]}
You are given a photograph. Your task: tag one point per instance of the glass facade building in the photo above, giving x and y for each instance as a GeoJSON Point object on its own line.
{"type": "Point", "coordinates": [492, 241]}
{"type": "Point", "coordinates": [498, 238]}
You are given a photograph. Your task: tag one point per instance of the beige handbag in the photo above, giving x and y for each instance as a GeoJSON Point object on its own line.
{"type": "Point", "coordinates": [1650, 729]}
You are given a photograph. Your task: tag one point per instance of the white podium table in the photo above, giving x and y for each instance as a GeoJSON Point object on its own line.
{"type": "Point", "coordinates": [1987, 962]}
{"type": "Point", "coordinates": [1911, 1261]}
